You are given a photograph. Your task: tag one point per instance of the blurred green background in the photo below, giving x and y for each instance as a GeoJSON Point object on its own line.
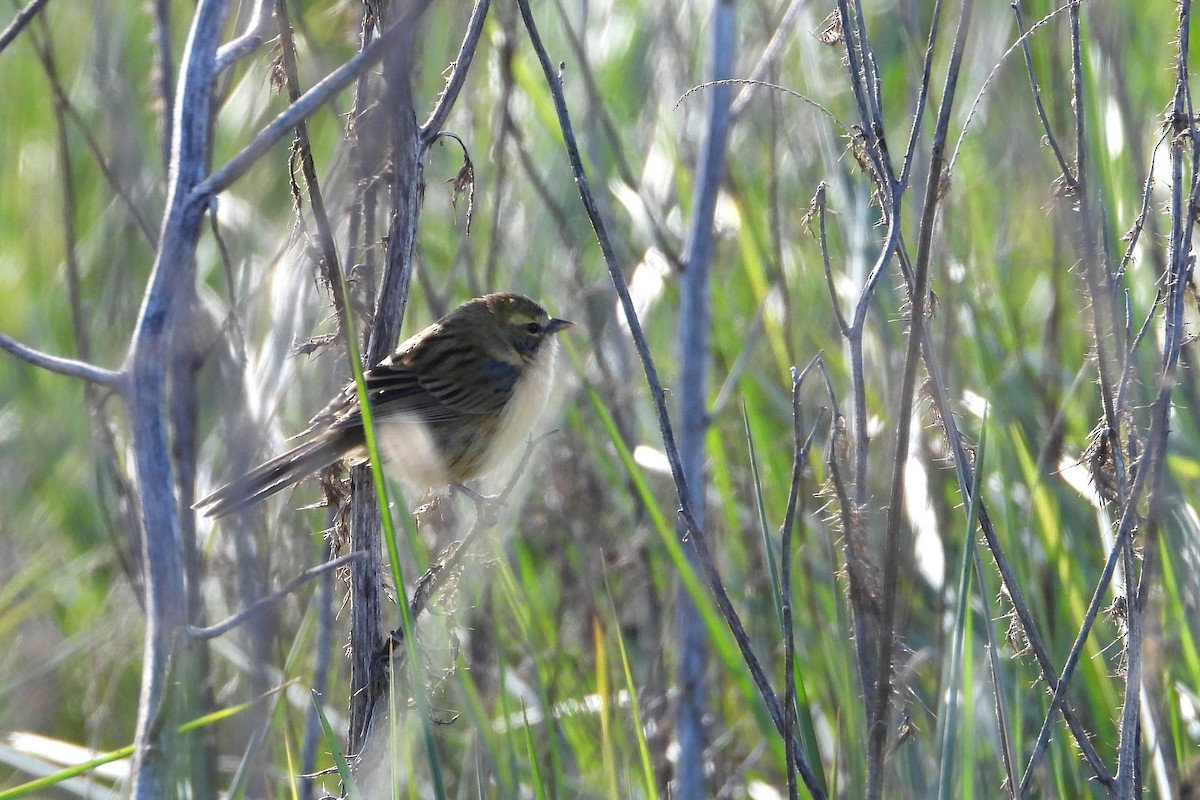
{"type": "Point", "coordinates": [581, 566]}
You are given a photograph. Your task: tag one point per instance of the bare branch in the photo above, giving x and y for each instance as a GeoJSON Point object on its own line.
{"type": "Point", "coordinates": [820, 206]}
{"type": "Point", "coordinates": [695, 313]}
{"type": "Point", "coordinates": [458, 76]}
{"type": "Point", "coordinates": [919, 308]}
{"type": "Point", "coordinates": [213, 631]}
{"type": "Point", "coordinates": [330, 267]}
{"type": "Point", "coordinates": [695, 534]}
{"type": "Point", "coordinates": [995, 69]}
{"type": "Point", "coordinates": [1063, 165]}
{"type": "Point", "coordinates": [1181, 275]}
{"type": "Point", "coordinates": [306, 106]}
{"type": "Point", "coordinates": [250, 40]}
{"type": "Point", "coordinates": [149, 356]}
{"type": "Point", "coordinates": [801, 446]}
{"type": "Point", "coordinates": [64, 366]}
{"type": "Point", "coordinates": [23, 18]}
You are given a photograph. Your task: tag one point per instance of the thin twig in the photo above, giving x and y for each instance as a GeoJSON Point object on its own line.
{"type": "Point", "coordinates": [864, 82]}
{"type": "Point", "coordinates": [1089, 618]}
{"type": "Point", "coordinates": [1153, 456]}
{"type": "Point", "coordinates": [922, 96]}
{"type": "Point", "coordinates": [23, 18]}
{"type": "Point", "coordinates": [821, 207]}
{"type": "Point", "coordinates": [330, 267]}
{"type": "Point", "coordinates": [463, 182]}
{"type": "Point", "coordinates": [966, 485]}
{"type": "Point", "coordinates": [964, 473]}
{"type": "Point", "coordinates": [918, 303]}
{"type": "Point", "coordinates": [213, 631]}
{"type": "Point", "coordinates": [311, 102]}
{"type": "Point", "coordinates": [852, 501]}
{"type": "Point", "coordinates": [1063, 165]}
{"type": "Point", "coordinates": [65, 366]}
{"type": "Point", "coordinates": [965, 476]}
{"type": "Point", "coordinates": [999, 700]}
{"type": "Point", "coordinates": [250, 39]}
{"type": "Point", "coordinates": [664, 238]}
{"type": "Point", "coordinates": [801, 445]}
{"type": "Point", "coordinates": [458, 75]}
{"type": "Point", "coordinates": [1099, 285]}
{"type": "Point", "coordinates": [695, 534]}
{"type": "Point", "coordinates": [1131, 239]}
{"type": "Point", "coordinates": [995, 69]}
{"type": "Point", "coordinates": [1181, 266]}
{"type": "Point", "coordinates": [961, 460]}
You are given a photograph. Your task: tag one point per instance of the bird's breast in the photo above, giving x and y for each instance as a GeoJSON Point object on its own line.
{"type": "Point", "coordinates": [522, 411]}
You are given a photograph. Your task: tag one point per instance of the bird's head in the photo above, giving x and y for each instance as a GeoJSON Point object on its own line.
{"type": "Point", "coordinates": [519, 325]}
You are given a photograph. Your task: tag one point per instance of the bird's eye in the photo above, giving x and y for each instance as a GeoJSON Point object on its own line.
{"type": "Point", "coordinates": [534, 328]}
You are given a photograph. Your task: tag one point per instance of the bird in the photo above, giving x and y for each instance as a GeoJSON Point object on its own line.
{"type": "Point", "coordinates": [449, 405]}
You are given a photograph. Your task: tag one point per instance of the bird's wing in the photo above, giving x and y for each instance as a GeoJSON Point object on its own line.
{"type": "Point", "coordinates": [489, 387]}
{"type": "Point", "coordinates": [434, 396]}
{"type": "Point", "coordinates": [396, 389]}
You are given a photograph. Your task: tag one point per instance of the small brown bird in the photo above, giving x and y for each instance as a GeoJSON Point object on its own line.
{"type": "Point", "coordinates": [450, 404]}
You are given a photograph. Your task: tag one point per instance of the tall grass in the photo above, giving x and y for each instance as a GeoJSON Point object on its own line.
{"type": "Point", "coordinates": [929, 594]}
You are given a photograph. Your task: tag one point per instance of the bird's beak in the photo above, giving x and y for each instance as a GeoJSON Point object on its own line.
{"type": "Point", "coordinates": [556, 325]}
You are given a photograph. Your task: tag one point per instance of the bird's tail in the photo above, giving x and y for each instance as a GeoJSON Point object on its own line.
{"type": "Point", "coordinates": [276, 475]}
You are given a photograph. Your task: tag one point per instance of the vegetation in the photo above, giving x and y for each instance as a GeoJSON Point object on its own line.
{"type": "Point", "coordinates": [906, 527]}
